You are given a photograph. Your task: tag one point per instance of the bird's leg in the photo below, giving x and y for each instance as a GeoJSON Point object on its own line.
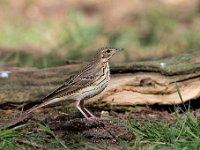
{"type": "Point", "coordinates": [86, 110]}
{"type": "Point", "coordinates": [91, 115]}
{"type": "Point", "coordinates": [79, 105]}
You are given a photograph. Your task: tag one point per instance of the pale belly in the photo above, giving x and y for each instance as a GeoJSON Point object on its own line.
{"type": "Point", "coordinates": [92, 91]}
{"type": "Point", "coordinates": [83, 94]}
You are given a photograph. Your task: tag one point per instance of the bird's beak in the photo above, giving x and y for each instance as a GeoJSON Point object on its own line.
{"type": "Point", "coordinates": [119, 49]}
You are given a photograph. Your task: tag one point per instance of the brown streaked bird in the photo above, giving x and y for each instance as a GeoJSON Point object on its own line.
{"type": "Point", "coordinates": [87, 83]}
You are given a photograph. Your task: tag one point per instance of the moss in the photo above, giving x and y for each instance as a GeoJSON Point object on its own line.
{"type": "Point", "coordinates": [182, 64]}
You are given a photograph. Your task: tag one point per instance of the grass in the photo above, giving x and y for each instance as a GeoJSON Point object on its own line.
{"type": "Point", "coordinates": [157, 31]}
{"type": "Point", "coordinates": [70, 41]}
{"type": "Point", "coordinates": [78, 36]}
{"type": "Point", "coordinates": [159, 135]}
{"type": "Point", "coordinates": [183, 134]}
{"type": "Point", "coordinates": [6, 138]}
{"type": "Point", "coordinates": [19, 33]}
{"type": "Point", "coordinates": [44, 138]}
{"type": "Point", "coordinates": [149, 135]}
{"type": "Point", "coordinates": [48, 130]}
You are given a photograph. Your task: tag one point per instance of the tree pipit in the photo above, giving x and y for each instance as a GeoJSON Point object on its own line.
{"type": "Point", "coordinates": [87, 83]}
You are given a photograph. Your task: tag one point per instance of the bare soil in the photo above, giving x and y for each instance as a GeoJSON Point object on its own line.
{"type": "Point", "coordinates": [110, 128]}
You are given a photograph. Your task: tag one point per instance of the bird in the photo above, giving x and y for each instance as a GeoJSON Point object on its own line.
{"type": "Point", "coordinates": [85, 84]}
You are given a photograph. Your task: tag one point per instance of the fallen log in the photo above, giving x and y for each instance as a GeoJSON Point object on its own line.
{"type": "Point", "coordinates": [149, 82]}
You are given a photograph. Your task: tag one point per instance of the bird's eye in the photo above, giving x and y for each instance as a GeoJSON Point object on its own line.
{"type": "Point", "coordinates": [108, 51]}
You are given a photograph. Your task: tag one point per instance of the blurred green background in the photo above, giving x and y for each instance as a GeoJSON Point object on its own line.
{"type": "Point", "coordinates": [43, 33]}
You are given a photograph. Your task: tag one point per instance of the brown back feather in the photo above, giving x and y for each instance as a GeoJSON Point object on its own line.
{"type": "Point", "coordinates": [84, 78]}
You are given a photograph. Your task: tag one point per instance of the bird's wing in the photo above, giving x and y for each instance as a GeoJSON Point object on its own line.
{"type": "Point", "coordinates": [74, 84]}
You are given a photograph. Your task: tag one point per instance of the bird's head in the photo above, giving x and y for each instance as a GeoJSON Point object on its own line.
{"type": "Point", "coordinates": [104, 54]}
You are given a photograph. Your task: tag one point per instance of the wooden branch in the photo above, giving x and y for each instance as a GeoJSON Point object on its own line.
{"type": "Point", "coordinates": [26, 85]}
{"type": "Point", "coordinates": [151, 82]}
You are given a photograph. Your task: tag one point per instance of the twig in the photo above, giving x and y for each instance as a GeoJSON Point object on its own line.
{"type": "Point", "coordinates": [30, 143]}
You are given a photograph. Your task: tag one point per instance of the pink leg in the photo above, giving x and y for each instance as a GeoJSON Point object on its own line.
{"type": "Point", "coordinates": [86, 111]}
{"type": "Point", "coordinates": [91, 115]}
{"type": "Point", "coordinates": [78, 105]}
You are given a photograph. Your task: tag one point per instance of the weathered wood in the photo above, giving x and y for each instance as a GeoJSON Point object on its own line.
{"type": "Point", "coordinates": [150, 82]}
{"type": "Point", "coordinates": [30, 84]}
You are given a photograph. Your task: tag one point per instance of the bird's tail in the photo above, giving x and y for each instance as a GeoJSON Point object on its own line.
{"type": "Point", "coordinates": [23, 116]}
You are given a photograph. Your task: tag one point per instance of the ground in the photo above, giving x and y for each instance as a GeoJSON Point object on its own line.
{"type": "Point", "coordinates": [48, 33]}
{"type": "Point", "coordinates": [115, 129]}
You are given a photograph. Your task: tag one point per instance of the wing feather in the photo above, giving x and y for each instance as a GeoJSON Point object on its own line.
{"type": "Point", "coordinates": [75, 83]}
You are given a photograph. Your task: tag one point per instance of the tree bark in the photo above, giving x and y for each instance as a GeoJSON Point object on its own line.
{"type": "Point", "coordinates": [150, 82]}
